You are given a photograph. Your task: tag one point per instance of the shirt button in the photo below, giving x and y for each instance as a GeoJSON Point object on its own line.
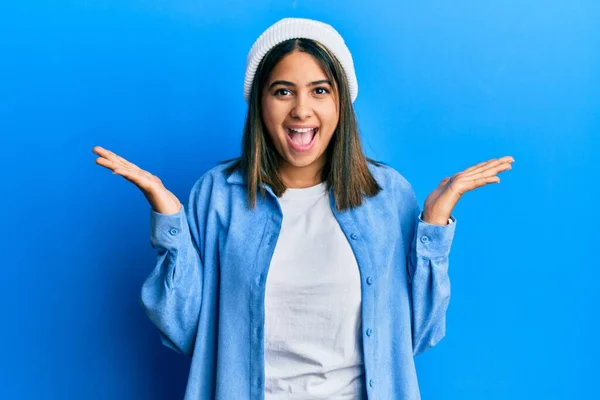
{"type": "Point", "coordinates": [424, 239]}
{"type": "Point", "coordinates": [369, 332]}
{"type": "Point", "coordinates": [371, 383]}
{"type": "Point", "coordinates": [173, 231]}
{"type": "Point", "coordinates": [369, 281]}
{"type": "Point", "coordinates": [354, 236]}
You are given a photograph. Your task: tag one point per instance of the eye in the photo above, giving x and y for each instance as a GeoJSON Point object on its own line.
{"type": "Point", "coordinates": [323, 90]}
{"type": "Point", "coordinates": [279, 91]}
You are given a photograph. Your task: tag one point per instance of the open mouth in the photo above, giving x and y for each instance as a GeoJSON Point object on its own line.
{"type": "Point", "coordinates": [302, 139]}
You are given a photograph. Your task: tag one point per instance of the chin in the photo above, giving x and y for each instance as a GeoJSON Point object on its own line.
{"type": "Point", "coordinates": [301, 163]}
{"type": "Point", "coordinates": [302, 160]}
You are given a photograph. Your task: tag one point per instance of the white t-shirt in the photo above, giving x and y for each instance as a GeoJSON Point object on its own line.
{"type": "Point", "coordinates": [313, 341]}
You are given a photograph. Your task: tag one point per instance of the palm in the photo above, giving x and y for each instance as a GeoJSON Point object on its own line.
{"type": "Point", "coordinates": [161, 199]}
{"type": "Point", "coordinates": [443, 199]}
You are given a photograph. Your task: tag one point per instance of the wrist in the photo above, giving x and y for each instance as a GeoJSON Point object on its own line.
{"type": "Point", "coordinates": [164, 203]}
{"type": "Point", "coordinates": [434, 219]}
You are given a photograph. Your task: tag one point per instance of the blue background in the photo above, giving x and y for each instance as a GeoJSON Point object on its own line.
{"type": "Point", "coordinates": [442, 85]}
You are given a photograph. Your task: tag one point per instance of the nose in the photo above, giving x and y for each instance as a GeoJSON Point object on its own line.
{"type": "Point", "coordinates": [302, 108]}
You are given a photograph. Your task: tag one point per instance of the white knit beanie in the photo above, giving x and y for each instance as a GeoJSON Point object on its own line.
{"type": "Point", "coordinates": [293, 28]}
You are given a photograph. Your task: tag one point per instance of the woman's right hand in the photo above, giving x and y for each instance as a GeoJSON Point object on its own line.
{"type": "Point", "coordinates": [161, 200]}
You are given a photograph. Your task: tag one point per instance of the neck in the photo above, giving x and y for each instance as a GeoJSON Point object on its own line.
{"type": "Point", "coordinates": [300, 177]}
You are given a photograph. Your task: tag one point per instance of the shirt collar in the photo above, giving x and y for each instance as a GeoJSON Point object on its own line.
{"type": "Point", "coordinates": [236, 178]}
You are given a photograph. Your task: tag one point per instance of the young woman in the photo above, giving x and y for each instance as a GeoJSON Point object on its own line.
{"type": "Point", "coordinates": [302, 269]}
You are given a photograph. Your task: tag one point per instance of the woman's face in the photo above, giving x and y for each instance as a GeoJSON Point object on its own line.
{"type": "Point", "coordinates": [300, 112]}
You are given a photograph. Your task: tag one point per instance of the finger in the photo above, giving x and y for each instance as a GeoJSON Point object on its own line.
{"type": "Point", "coordinates": [486, 180]}
{"type": "Point", "coordinates": [493, 167]}
{"type": "Point", "coordinates": [481, 167]}
{"type": "Point", "coordinates": [114, 157]}
{"type": "Point", "coordinates": [491, 172]}
{"type": "Point", "coordinates": [463, 186]}
{"type": "Point", "coordinates": [107, 154]}
{"type": "Point", "coordinates": [102, 152]}
{"type": "Point", "coordinates": [140, 178]}
{"type": "Point", "coordinates": [120, 169]}
{"type": "Point", "coordinates": [477, 166]}
{"type": "Point", "coordinates": [110, 164]}
{"type": "Point", "coordinates": [488, 164]}
{"type": "Point", "coordinates": [128, 164]}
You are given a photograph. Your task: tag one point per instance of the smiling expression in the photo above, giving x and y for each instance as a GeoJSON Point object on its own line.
{"type": "Point", "coordinates": [300, 111]}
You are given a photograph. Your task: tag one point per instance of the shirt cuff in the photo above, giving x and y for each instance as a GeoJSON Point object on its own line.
{"type": "Point", "coordinates": [434, 240]}
{"type": "Point", "coordinates": [166, 231]}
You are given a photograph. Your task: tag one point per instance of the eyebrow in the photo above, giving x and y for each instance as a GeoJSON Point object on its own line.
{"type": "Point", "coordinates": [291, 84]}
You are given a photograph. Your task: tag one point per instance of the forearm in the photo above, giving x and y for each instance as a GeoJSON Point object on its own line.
{"type": "Point", "coordinates": [171, 294]}
{"type": "Point", "coordinates": [429, 282]}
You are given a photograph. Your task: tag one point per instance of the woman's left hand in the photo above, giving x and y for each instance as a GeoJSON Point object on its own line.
{"type": "Point", "coordinates": [440, 203]}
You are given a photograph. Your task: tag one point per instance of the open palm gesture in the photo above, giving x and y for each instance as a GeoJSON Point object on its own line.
{"type": "Point", "coordinates": [161, 199]}
{"type": "Point", "coordinates": [440, 203]}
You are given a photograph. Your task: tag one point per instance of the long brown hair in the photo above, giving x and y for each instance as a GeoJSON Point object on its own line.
{"type": "Point", "coordinates": [345, 170]}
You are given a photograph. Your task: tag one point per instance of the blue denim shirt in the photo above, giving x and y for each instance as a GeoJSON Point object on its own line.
{"type": "Point", "coordinates": [206, 292]}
